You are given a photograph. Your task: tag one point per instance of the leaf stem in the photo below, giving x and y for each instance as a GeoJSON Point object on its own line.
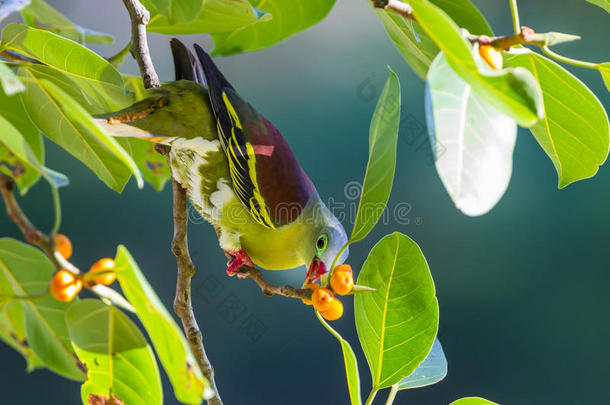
{"type": "Point", "coordinates": [392, 394]}
{"type": "Point", "coordinates": [569, 61]}
{"type": "Point", "coordinates": [57, 208]}
{"type": "Point", "coordinates": [515, 13]}
{"type": "Point", "coordinates": [371, 397]}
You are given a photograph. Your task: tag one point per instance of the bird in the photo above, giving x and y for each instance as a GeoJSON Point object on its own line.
{"type": "Point", "coordinates": [239, 172]}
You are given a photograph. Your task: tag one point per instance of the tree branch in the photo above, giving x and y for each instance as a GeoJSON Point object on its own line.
{"type": "Point", "coordinates": [140, 16]}
{"type": "Point", "coordinates": [31, 234]}
{"type": "Point", "coordinates": [526, 36]}
{"type": "Point", "coordinates": [186, 270]}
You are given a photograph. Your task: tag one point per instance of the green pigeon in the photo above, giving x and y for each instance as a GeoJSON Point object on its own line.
{"type": "Point", "coordinates": [239, 172]}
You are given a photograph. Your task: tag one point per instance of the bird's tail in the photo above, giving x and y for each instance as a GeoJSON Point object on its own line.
{"type": "Point", "coordinates": [123, 123]}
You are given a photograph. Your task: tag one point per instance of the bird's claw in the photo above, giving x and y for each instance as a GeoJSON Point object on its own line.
{"type": "Point", "coordinates": [240, 258]}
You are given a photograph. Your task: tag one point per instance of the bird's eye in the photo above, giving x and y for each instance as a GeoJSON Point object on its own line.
{"type": "Point", "coordinates": [321, 243]}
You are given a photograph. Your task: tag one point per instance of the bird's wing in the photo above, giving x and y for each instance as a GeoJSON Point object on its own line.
{"type": "Point", "coordinates": [265, 174]}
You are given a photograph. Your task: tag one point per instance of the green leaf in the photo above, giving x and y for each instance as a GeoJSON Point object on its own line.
{"type": "Point", "coordinates": [152, 165]}
{"type": "Point", "coordinates": [513, 91]}
{"type": "Point", "coordinates": [12, 332]}
{"type": "Point", "coordinates": [350, 363]}
{"type": "Point", "coordinates": [430, 371]}
{"type": "Point", "coordinates": [39, 14]}
{"type": "Point", "coordinates": [21, 147]}
{"type": "Point", "coordinates": [289, 18]}
{"type": "Point", "coordinates": [379, 176]}
{"type": "Point", "coordinates": [472, 401]}
{"type": "Point", "coordinates": [117, 356]}
{"type": "Point", "coordinates": [190, 386]}
{"type": "Point", "coordinates": [65, 122]}
{"type": "Point", "coordinates": [24, 270]}
{"type": "Point", "coordinates": [118, 58]}
{"type": "Point", "coordinates": [215, 16]}
{"type": "Point", "coordinates": [176, 12]}
{"type": "Point", "coordinates": [477, 141]}
{"type": "Point", "coordinates": [10, 6]}
{"type": "Point", "coordinates": [135, 85]}
{"type": "Point", "coordinates": [605, 4]}
{"type": "Point", "coordinates": [9, 82]}
{"type": "Point", "coordinates": [604, 69]}
{"type": "Point", "coordinates": [419, 50]}
{"type": "Point", "coordinates": [575, 130]}
{"type": "Point", "coordinates": [92, 73]}
{"type": "Point", "coordinates": [397, 323]}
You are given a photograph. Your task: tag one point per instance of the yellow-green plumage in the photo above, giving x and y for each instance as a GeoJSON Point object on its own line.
{"type": "Point", "coordinates": [217, 161]}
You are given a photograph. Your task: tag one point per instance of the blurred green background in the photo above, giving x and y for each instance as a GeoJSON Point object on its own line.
{"type": "Point", "coordinates": [523, 290]}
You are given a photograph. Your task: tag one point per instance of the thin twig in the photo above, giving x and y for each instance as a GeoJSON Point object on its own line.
{"type": "Point", "coordinates": [140, 16]}
{"type": "Point", "coordinates": [31, 234]}
{"type": "Point", "coordinates": [400, 8]}
{"type": "Point", "coordinates": [183, 305]}
{"type": "Point", "coordinates": [527, 36]}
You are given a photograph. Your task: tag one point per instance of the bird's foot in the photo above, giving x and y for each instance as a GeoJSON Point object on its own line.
{"type": "Point", "coordinates": [240, 258]}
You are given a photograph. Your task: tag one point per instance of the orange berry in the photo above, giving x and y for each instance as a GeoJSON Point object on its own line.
{"type": "Point", "coordinates": [310, 286]}
{"type": "Point", "coordinates": [342, 281]}
{"type": "Point", "coordinates": [105, 267]}
{"type": "Point", "coordinates": [343, 267]}
{"type": "Point", "coordinates": [334, 311]}
{"type": "Point", "coordinates": [63, 245]}
{"type": "Point", "coordinates": [64, 286]}
{"type": "Point", "coordinates": [492, 56]}
{"type": "Point", "coordinates": [321, 299]}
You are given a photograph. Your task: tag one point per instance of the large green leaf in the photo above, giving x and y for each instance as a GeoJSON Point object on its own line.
{"type": "Point", "coordinates": [81, 119]}
{"type": "Point", "coordinates": [289, 18]}
{"type": "Point", "coordinates": [24, 270]}
{"type": "Point", "coordinates": [9, 82]}
{"type": "Point", "coordinates": [152, 165]}
{"type": "Point", "coordinates": [574, 132]}
{"type": "Point", "coordinates": [430, 371]}
{"type": "Point", "coordinates": [472, 401]}
{"type": "Point", "coordinates": [92, 73]}
{"type": "Point", "coordinates": [415, 45]}
{"type": "Point", "coordinates": [25, 142]}
{"type": "Point", "coordinates": [119, 360]}
{"type": "Point", "coordinates": [397, 323]}
{"type": "Point", "coordinates": [176, 12]}
{"type": "Point", "coordinates": [65, 122]}
{"type": "Point", "coordinates": [605, 4]}
{"type": "Point", "coordinates": [39, 14]}
{"type": "Point", "coordinates": [350, 363]}
{"type": "Point", "coordinates": [477, 140]}
{"type": "Point", "coordinates": [190, 387]}
{"type": "Point", "coordinates": [513, 91]}
{"type": "Point", "coordinates": [379, 176]}
{"type": "Point", "coordinates": [12, 332]}
{"type": "Point", "coordinates": [215, 16]}
{"type": "Point", "coordinates": [604, 69]}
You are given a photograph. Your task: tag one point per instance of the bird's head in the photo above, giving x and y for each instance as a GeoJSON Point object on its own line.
{"type": "Point", "coordinates": [322, 244]}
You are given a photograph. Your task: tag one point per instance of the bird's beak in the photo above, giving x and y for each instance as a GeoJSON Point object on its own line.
{"type": "Point", "coordinates": [316, 269]}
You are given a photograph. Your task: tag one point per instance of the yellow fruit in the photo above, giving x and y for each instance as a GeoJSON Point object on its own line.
{"type": "Point", "coordinates": [342, 281]}
{"type": "Point", "coordinates": [492, 56]}
{"type": "Point", "coordinates": [334, 311]}
{"type": "Point", "coordinates": [104, 267]}
{"type": "Point", "coordinates": [63, 245]}
{"type": "Point", "coordinates": [343, 267]}
{"type": "Point", "coordinates": [313, 287]}
{"type": "Point", "coordinates": [64, 286]}
{"type": "Point", "coordinates": [322, 298]}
